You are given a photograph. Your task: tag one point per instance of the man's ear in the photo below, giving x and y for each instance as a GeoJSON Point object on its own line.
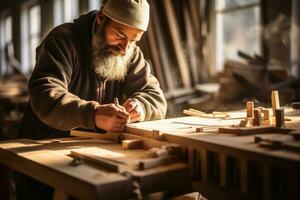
{"type": "Point", "coordinates": [99, 17]}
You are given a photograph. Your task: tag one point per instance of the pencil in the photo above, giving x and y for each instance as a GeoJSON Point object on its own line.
{"type": "Point", "coordinates": [116, 101]}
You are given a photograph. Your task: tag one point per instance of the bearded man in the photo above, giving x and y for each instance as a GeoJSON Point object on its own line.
{"type": "Point", "coordinates": [81, 67]}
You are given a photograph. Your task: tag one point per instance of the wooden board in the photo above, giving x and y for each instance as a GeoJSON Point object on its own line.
{"type": "Point", "coordinates": [50, 163]}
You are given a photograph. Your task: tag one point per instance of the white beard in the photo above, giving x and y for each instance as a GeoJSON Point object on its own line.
{"type": "Point", "coordinates": [106, 61]}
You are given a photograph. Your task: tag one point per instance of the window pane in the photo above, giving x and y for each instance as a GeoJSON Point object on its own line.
{"type": "Point", "coordinates": [94, 4]}
{"type": "Point", "coordinates": [58, 12]}
{"type": "Point", "coordinates": [8, 29]}
{"type": "Point", "coordinates": [237, 30]}
{"type": "Point", "coordinates": [35, 20]}
{"type": "Point", "coordinates": [224, 4]}
{"type": "Point", "coordinates": [71, 10]}
{"type": "Point", "coordinates": [34, 42]}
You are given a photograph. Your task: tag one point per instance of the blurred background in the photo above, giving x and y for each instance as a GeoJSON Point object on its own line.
{"type": "Point", "coordinates": [207, 54]}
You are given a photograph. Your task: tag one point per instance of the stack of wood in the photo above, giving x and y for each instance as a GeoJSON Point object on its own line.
{"type": "Point", "coordinates": [174, 44]}
{"type": "Point", "coordinates": [254, 79]}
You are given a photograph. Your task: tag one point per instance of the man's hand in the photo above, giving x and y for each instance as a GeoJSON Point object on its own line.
{"type": "Point", "coordinates": [111, 117]}
{"type": "Point", "coordinates": [135, 110]}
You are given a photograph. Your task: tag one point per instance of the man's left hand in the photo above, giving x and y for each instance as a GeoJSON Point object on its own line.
{"type": "Point", "coordinates": [135, 110]}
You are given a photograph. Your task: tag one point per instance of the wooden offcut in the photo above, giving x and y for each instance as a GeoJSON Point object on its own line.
{"type": "Point", "coordinates": [132, 144]}
{"type": "Point", "coordinates": [266, 121]}
{"type": "Point", "coordinates": [250, 108]}
{"type": "Point", "coordinates": [279, 118]}
{"type": "Point", "coordinates": [156, 162]}
{"type": "Point", "coordinates": [102, 162]}
{"type": "Point", "coordinates": [257, 117]}
{"type": "Point", "coordinates": [113, 136]}
{"type": "Point", "coordinates": [275, 101]}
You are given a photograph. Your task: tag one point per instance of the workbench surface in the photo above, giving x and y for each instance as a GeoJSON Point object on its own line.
{"type": "Point", "coordinates": [49, 161]}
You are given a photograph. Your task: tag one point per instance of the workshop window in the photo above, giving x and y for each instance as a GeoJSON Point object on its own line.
{"type": "Point", "coordinates": [94, 4]}
{"type": "Point", "coordinates": [237, 28]}
{"type": "Point", "coordinates": [31, 30]}
{"type": "Point", "coordinates": [6, 40]}
{"type": "Point", "coordinates": [65, 11]}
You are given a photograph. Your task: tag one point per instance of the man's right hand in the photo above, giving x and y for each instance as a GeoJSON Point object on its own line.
{"type": "Point", "coordinates": [111, 117]}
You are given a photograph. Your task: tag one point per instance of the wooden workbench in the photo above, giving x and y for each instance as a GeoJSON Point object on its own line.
{"type": "Point", "coordinates": [49, 161]}
{"type": "Point", "coordinates": [220, 166]}
{"type": "Point", "coordinates": [232, 166]}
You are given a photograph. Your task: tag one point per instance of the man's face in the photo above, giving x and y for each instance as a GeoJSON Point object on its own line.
{"type": "Point", "coordinates": [112, 48]}
{"type": "Point", "coordinates": [121, 37]}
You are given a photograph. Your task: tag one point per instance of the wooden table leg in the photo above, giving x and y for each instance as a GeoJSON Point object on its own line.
{"type": "Point", "coordinates": [60, 195]}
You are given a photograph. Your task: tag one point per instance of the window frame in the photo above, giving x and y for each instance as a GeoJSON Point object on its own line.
{"type": "Point", "coordinates": [4, 70]}
{"type": "Point", "coordinates": [59, 11]}
{"type": "Point", "coordinates": [27, 64]}
{"type": "Point", "coordinates": [216, 12]}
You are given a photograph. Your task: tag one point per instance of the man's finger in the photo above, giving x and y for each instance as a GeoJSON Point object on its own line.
{"type": "Point", "coordinates": [130, 104]}
{"type": "Point", "coordinates": [134, 119]}
{"type": "Point", "coordinates": [117, 129]}
{"type": "Point", "coordinates": [123, 115]}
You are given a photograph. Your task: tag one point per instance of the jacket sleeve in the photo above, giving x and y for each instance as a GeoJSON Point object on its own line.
{"type": "Point", "coordinates": [142, 85]}
{"type": "Point", "coordinates": [50, 99]}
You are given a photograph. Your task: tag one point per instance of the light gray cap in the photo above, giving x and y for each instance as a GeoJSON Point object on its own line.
{"type": "Point", "coordinates": [133, 13]}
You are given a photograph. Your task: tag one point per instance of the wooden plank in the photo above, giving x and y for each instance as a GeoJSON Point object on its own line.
{"type": "Point", "coordinates": [155, 56]}
{"type": "Point", "coordinates": [161, 46]}
{"type": "Point", "coordinates": [104, 136]}
{"type": "Point", "coordinates": [246, 131]}
{"type": "Point", "coordinates": [154, 134]}
{"type": "Point", "coordinates": [54, 169]}
{"type": "Point", "coordinates": [147, 142]}
{"type": "Point", "coordinates": [191, 43]}
{"type": "Point", "coordinates": [253, 130]}
{"type": "Point", "coordinates": [102, 162]}
{"type": "Point", "coordinates": [176, 41]}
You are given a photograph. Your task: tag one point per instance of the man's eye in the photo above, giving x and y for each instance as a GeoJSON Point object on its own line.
{"type": "Point", "coordinates": [119, 36]}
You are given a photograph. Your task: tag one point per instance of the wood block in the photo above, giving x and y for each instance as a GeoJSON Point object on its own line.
{"type": "Point", "coordinates": [296, 105]}
{"type": "Point", "coordinates": [172, 149]}
{"type": "Point", "coordinates": [132, 144]}
{"type": "Point", "coordinates": [279, 118]}
{"type": "Point", "coordinates": [156, 152]}
{"type": "Point", "coordinates": [250, 108]}
{"type": "Point", "coordinates": [257, 117]}
{"type": "Point", "coordinates": [275, 101]}
{"type": "Point", "coordinates": [266, 113]}
{"type": "Point", "coordinates": [159, 161]}
{"type": "Point", "coordinates": [266, 117]}
{"type": "Point", "coordinates": [248, 122]}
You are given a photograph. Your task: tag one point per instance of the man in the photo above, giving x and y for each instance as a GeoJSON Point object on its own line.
{"type": "Point", "coordinates": [82, 66]}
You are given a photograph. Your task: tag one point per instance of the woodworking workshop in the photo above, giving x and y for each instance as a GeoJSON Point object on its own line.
{"type": "Point", "coordinates": [150, 99]}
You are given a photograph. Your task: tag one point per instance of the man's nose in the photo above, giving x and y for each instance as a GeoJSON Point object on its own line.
{"type": "Point", "coordinates": [125, 46]}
